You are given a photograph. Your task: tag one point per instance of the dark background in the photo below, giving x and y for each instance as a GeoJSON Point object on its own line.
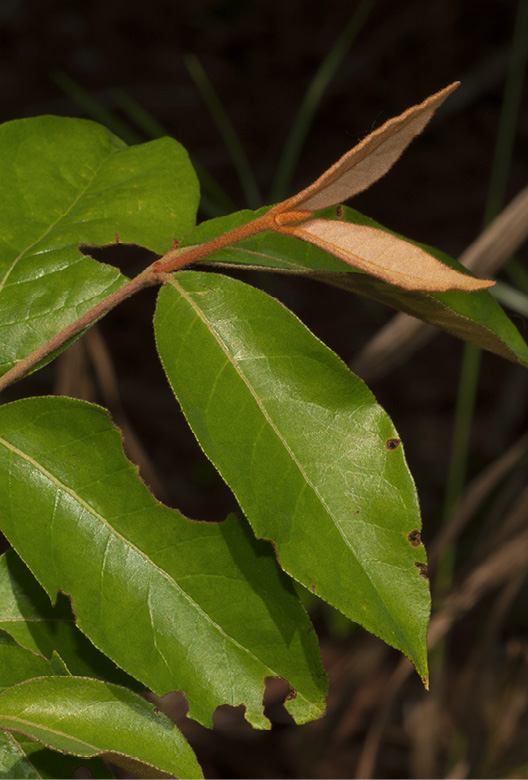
{"type": "Point", "coordinates": [261, 58]}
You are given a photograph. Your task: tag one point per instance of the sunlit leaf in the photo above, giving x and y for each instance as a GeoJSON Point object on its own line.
{"type": "Point", "coordinates": [92, 718]}
{"type": "Point", "coordinates": [28, 615]}
{"type": "Point", "coordinates": [65, 182]}
{"type": "Point", "coordinates": [313, 460]}
{"type": "Point", "coordinates": [178, 604]}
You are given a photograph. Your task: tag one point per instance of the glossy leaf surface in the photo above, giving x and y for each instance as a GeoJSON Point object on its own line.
{"type": "Point", "coordinates": [28, 615]}
{"type": "Point", "coordinates": [200, 607]}
{"type": "Point", "coordinates": [474, 317]}
{"type": "Point", "coordinates": [65, 182]}
{"type": "Point", "coordinates": [92, 718]}
{"type": "Point", "coordinates": [313, 460]}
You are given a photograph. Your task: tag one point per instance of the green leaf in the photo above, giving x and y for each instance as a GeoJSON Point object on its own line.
{"type": "Point", "coordinates": [201, 607]}
{"type": "Point", "coordinates": [13, 761]}
{"type": "Point", "coordinates": [21, 757]}
{"type": "Point", "coordinates": [474, 317]}
{"type": "Point", "coordinates": [313, 460]}
{"type": "Point", "coordinates": [28, 615]}
{"type": "Point", "coordinates": [92, 718]}
{"type": "Point", "coordinates": [65, 182]}
{"type": "Point", "coordinates": [18, 664]}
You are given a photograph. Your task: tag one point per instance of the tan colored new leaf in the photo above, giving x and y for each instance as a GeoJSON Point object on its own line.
{"type": "Point", "coordinates": [368, 161]}
{"type": "Point", "coordinates": [371, 250]}
{"type": "Point", "coordinates": [385, 256]}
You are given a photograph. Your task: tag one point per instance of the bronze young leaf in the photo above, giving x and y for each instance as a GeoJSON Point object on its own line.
{"type": "Point", "coordinates": [369, 249]}
{"type": "Point", "coordinates": [383, 255]}
{"type": "Point", "coordinates": [369, 160]}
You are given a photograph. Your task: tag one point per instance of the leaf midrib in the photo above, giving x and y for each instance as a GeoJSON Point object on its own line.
{"type": "Point", "coordinates": [280, 436]}
{"type": "Point", "coordinates": [47, 729]}
{"type": "Point", "coordinates": [58, 220]}
{"type": "Point", "coordinates": [15, 450]}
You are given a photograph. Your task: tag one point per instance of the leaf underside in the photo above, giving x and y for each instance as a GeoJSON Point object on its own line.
{"type": "Point", "coordinates": [473, 317]}
{"type": "Point", "coordinates": [399, 263]}
{"type": "Point", "coordinates": [371, 159]}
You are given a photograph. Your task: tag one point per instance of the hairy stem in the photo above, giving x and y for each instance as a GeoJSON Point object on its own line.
{"type": "Point", "coordinates": [181, 257]}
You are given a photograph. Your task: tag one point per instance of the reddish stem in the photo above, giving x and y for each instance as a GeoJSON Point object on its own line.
{"type": "Point", "coordinates": [175, 259]}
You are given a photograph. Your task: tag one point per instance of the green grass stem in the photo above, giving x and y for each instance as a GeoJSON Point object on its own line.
{"type": "Point", "coordinates": [227, 131]}
{"type": "Point", "coordinates": [312, 99]}
{"type": "Point", "coordinates": [470, 368]}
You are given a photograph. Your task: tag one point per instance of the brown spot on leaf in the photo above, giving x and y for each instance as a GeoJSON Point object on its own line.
{"type": "Point", "coordinates": [314, 588]}
{"type": "Point", "coordinates": [422, 569]}
{"type": "Point", "coordinates": [415, 538]}
{"type": "Point", "coordinates": [392, 444]}
{"type": "Point", "coordinates": [340, 211]}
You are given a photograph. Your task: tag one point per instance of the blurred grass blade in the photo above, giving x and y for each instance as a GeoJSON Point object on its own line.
{"type": "Point", "coordinates": [512, 298]}
{"type": "Point", "coordinates": [501, 166]}
{"type": "Point", "coordinates": [508, 122]}
{"type": "Point", "coordinates": [471, 360]}
{"type": "Point", "coordinates": [227, 131]}
{"type": "Point", "coordinates": [94, 109]}
{"type": "Point", "coordinates": [518, 274]}
{"type": "Point", "coordinates": [312, 98]}
{"type": "Point", "coordinates": [143, 119]}
{"type": "Point", "coordinates": [214, 200]}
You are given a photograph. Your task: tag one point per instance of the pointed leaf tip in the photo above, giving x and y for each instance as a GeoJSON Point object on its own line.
{"type": "Point", "coordinates": [369, 160]}
{"type": "Point", "coordinates": [383, 255]}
